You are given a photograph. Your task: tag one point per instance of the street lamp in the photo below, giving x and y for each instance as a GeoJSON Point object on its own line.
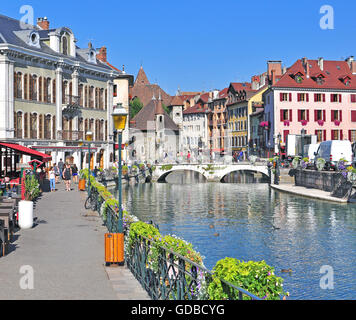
{"type": "Point", "coordinates": [89, 138]}
{"type": "Point", "coordinates": [119, 117]}
{"type": "Point", "coordinates": [303, 132]}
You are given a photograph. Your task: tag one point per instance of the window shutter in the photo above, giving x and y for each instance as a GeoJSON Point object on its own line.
{"type": "Point", "coordinates": [281, 112]}
{"type": "Point", "coordinates": [340, 115]}
{"type": "Point", "coordinates": [308, 115]}
{"type": "Point", "coordinates": [298, 96]}
{"type": "Point", "coordinates": [299, 115]}
{"type": "Point", "coordinates": [341, 135]}
{"type": "Point", "coordinates": [340, 98]}
{"type": "Point", "coordinates": [353, 115]}
{"type": "Point", "coordinates": [324, 135]}
{"type": "Point", "coordinates": [307, 96]}
{"type": "Point", "coordinates": [332, 115]}
{"type": "Point", "coordinates": [324, 115]}
{"type": "Point", "coordinates": [281, 96]}
{"type": "Point", "coordinates": [315, 115]}
{"type": "Point", "coordinates": [323, 97]}
{"type": "Point", "coordinates": [315, 97]}
{"type": "Point", "coordinates": [290, 97]}
{"type": "Point", "coordinates": [290, 115]}
{"type": "Point", "coordinates": [350, 135]}
{"type": "Point", "coordinates": [353, 98]}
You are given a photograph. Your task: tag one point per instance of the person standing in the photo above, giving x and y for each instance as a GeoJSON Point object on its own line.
{"type": "Point", "coordinates": [67, 176]}
{"type": "Point", "coordinates": [75, 173]}
{"type": "Point", "coordinates": [61, 167]}
{"type": "Point", "coordinates": [56, 171]}
{"type": "Point", "coordinates": [52, 179]}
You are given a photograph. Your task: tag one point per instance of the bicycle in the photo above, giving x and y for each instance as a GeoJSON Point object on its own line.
{"type": "Point", "coordinates": [90, 202]}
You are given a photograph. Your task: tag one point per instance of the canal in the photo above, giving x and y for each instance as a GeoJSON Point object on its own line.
{"type": "Point", "coordinates": [249, 221]}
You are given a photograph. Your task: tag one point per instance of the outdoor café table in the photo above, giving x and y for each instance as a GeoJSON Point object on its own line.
{"type": "Point", "coordinates": [10, 205]}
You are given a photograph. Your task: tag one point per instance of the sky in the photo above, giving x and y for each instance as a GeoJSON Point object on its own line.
{"type": "Point", "coordinates": [202, 45]}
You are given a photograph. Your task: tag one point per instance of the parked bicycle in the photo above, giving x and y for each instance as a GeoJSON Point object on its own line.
{"type": "Point", "coordinates": [90, 202]}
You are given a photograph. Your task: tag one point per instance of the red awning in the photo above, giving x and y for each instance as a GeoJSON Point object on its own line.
{"type": "Point", "coordinates": [26, 151]}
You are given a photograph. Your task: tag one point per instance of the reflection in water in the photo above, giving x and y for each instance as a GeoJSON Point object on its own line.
{"type": "Point", "coordinates": [245, 177]}
{"type": "Point", "coordinates": [185, 177]}
{"type": "Point", "coordinates": [257, 223]}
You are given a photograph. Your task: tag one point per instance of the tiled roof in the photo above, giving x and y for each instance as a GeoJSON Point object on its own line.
{"type": "Point", "coordinates": [238, 86]}
{"type": "Point", "coordinates": [332, 74]}
{"type": "Point", "coordinates": [148, 114]}
{"type": "Point", "coordinates": [11, 33]}
{"type": "Point", "coordinates": [196, 109]}
{"type": "Point", "coordinates": [177, 101]}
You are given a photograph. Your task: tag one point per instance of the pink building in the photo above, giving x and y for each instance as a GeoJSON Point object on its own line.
{"type": "Point", "coordinates": [316, 95]}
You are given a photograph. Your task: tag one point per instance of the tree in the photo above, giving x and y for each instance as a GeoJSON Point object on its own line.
{"type": "Point", "coordinates": [135, 107]}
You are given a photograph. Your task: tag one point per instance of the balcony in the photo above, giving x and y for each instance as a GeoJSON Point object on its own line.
{"type": "Point", "coordinates": [71, 106]}
{"type": "Point", "coordinates": [71, 135]}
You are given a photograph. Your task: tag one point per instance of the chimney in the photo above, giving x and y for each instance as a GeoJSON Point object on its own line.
{"type": "Point", "coordinates": [321, 63]}
{"type": "Point", "coordinates": [273, 77]}
{"type": "Point", "coordinates": [350, 61]}
{"type": "Point", "coordinates": [43, 23]}
{"type": "Point", "coordinates": [102, 54]}
{"type": "Point", "coordinates": [306, 66]}
{"type": "Point", "coordinates": [276, 66]}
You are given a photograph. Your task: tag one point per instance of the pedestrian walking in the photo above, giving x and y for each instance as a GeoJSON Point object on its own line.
{"type": "Point", "coordinates": [188, 156]}
{"type": "Point", "coordinates": [67, 176]}
{"type": "Point", "coordinates": [61, 167]}
{"type": "Point", "coordinates": [52, 179]}
{"type": "Point", "coordinates": [56, 172]}
{"type": "Point", "coordinates": [75, 173]}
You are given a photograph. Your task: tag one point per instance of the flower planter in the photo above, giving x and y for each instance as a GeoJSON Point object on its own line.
{"type": "Point", "coordinates": [25, 214]}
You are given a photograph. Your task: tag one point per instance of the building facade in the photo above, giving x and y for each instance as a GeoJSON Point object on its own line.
{"type": "Point", "coordinates": [318, 96]}
{"type": "Point", "coordinates": [52, 92]}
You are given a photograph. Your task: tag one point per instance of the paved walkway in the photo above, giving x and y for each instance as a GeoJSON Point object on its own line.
{"type": "Point", "coordinates": [65, 250]}
{"type": "Point", "coordinates": [307, 192]}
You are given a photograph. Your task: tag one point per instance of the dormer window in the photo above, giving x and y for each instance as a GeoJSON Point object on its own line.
{"type": "Point", "coordinates": [92, 56]}
{"type": "Point", "coordinates": [298, 77]}
{"type": "Point", "coordinates": [34, 39]}
{"type": "Point", "coordinates": [345, 80]}
{"type": "Point", "coordinates": [319, 78]}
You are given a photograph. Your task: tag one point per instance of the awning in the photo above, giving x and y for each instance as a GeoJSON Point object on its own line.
{"type": "Point", "coordinates": [26, 151]}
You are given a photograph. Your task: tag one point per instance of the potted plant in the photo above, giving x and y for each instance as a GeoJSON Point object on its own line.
{"type": "Point", "coordinates": [32, 191]}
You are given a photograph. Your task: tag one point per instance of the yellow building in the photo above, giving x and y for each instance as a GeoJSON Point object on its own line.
{"type": "Point", "coordinates": [241, 97]}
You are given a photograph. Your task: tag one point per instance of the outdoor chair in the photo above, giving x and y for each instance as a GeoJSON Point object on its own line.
{"type": "Point", "coordinates": [3, 240]}
{"type": "Point", "coordinates": [7, 216]}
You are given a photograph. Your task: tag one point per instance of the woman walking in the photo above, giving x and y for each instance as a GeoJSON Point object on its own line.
{"type": "Point", "coordinates": [75, 173]}
{"type": "Point", "coordinates": [67, 176]}
{"type": "Point", "coordinates": [52, 179]}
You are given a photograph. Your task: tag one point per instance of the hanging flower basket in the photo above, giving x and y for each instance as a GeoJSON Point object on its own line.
{"type": "Point", "coordinates": [286, 123]}
{"type": "Point", "coordinates": [264, 124]}
{"type": "Point", "coordinates": [337, 122]}
{"type": "Point", "coordinates": [320, 122]}
{"type": "Point", "coordinates": [304, 122]}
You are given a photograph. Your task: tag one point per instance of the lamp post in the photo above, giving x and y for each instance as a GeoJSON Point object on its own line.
{"type": "Point", "coordinates": [119, 116]}
{"type": "Point", "coordinates": [89, 138]}
{"type": "Point", "coordinates": [303, 134]}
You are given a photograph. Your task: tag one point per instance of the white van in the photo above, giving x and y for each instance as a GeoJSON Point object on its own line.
{"type": "Point", "coordinates": [310, 150]}
{"type": "Point", "coordinates": [334, 150]}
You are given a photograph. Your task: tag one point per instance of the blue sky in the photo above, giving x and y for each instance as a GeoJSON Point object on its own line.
{"type": "Point", "coordinates": [201, 45]}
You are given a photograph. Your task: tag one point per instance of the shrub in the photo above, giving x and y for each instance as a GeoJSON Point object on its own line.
{"type": "Point", "coordinates": [32, 188]}
{"type": "Point", "coordinates": [256, 277]}
{"type": "Point", "coordinates": [320, 164]}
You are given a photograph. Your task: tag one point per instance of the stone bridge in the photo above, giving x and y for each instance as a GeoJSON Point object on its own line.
{"type": "Point", "coordinates": [212, 172]}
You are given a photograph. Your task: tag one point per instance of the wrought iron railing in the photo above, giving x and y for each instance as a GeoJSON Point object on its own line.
{"type": "Point", "coordinates": [167, 275]}
{"type": "Point", "coordinates": [163, 273]}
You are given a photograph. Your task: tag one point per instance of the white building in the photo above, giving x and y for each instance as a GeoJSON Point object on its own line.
{"type": "Point", "coordinates": [52, 92]}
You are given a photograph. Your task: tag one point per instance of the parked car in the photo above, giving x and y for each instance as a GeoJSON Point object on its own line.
{"type": "Point", "coordinates": [332, 151]}
{"type": "Point", "coordinates": [295, 143]}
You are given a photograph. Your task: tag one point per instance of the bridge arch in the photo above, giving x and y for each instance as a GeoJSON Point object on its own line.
{"type": "Point", "coordinates": [161, 175]}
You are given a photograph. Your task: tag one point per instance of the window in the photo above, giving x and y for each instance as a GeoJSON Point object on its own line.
{"type": "Point", "coordinates": [353, 98]}
{"type": "Point", "coordinates": [18, 85]}
{"type": "Point", "coordinates": [54, 127]}
{"type": "Point", "coordinates": [286, 115]}
{"type": "Point", "coordinates": [352, 135]}
{"type": "Point", "coordinates": [91, 97]}
{"type": "Point", "coordinates": [303, 115]}
{"type": "Point", "coordinates": [18, 124]}
{"type": "Point", "coordinates": [25, 83]}
{"type": "Point", "coordinates": [54, 90]}
{"type": "Point", "coordinates": [33, 87]}
{"type": "Point", "coordinates": [336, 135]}
{"type": "Point", "coordinates": [319, 97]}
{"type": "Point", "coordinates": [47, 127]}
{"type": "Point", "coordinates": [33, 126]}
{"type": "Point", "coordinates": [319, 115]}
{"type": "Point", "coordinates": [81, 98]}
{"type": "Point", "coordinates": [65, 45]}
{"type": "Point", "coordinates": [26, 125]}
{"type": "Point", "coordinates": [336, 115]}
{"type": "Point", "coordinates": [335, 97]}
{"type": "Point", "coordinates": [303, 97]}
{"type": "Point", "coordinates": [320, 135]}
{"type": "Point", "coordinates": [115, 90]}
{"type": "Point", "coordinates": [285, 96]}
{"type": "Point", "coordinates": [353, 115]}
